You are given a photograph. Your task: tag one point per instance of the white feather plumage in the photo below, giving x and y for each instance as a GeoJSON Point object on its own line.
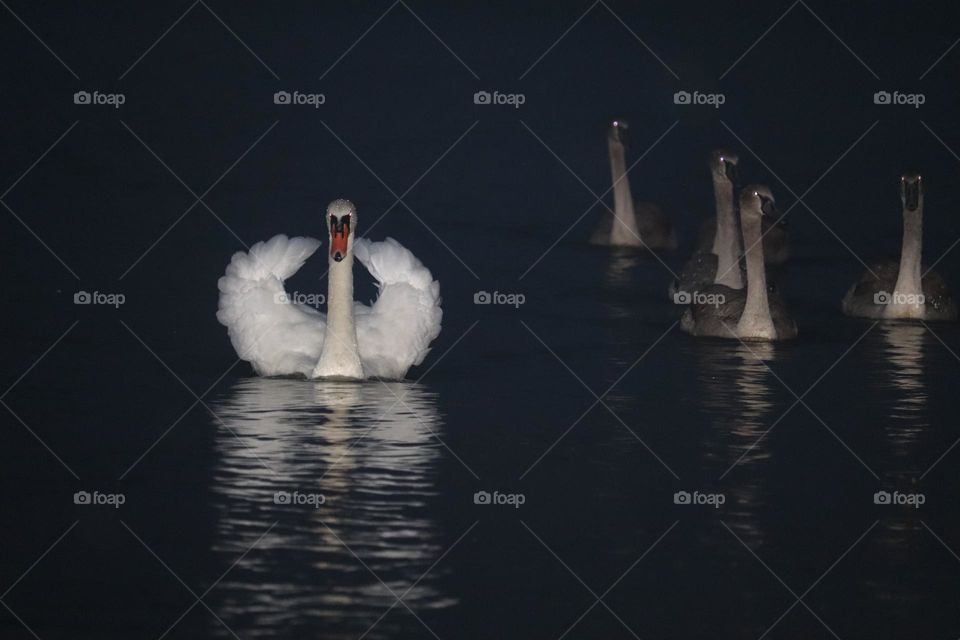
{"type": "Point", "coordinates": [282, 338]}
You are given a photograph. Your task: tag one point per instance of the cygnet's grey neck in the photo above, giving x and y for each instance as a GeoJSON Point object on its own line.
{"type": "Point", "coordinates": [726, 240]}
{"type": "Point", "coordinates": [624, 230]}
{"type": "Point", "coordinates": [907, 300]}
{"type": "Point", "coordinates": [755, 322]}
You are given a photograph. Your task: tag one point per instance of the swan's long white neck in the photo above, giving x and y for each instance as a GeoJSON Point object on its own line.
{"type": "Point", "coordinates": [340, 357]}
{"type": "Point", "coordinates": [726, 240]}
{"type": "Point", "coordinates": [624, 230]}
{"type": "Point", "coordinates": [908, 292]}
{"type": "Point", "coordinates": [755, 322]}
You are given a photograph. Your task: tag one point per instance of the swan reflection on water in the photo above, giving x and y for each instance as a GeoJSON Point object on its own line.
{"type": "Point", "coordinates": [904, 384]}
{"type": "Point", "coordinates": [620, 269]}
{"type": "Point", "coordinates": [899, 376]}
{"type": "Point", "coordinates": [737, 395]}
{"type": "Point", "coordinates": [736, 383]}
{"type": "Point", "coordinates": [356, 467]}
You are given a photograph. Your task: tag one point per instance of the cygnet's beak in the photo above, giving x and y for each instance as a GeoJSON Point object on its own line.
{"type": "Point", "coordinates": [912, 194]}
{"type": "Point", "coordinates": [769, 209]}
{"type": "Point", "coordinates": [733, 173]}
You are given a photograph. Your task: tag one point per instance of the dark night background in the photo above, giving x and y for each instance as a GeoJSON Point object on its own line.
{"type": "Point", "coordinates": [799, 109]}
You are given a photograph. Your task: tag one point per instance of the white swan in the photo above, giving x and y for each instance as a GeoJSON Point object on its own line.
{"type": "Point", "coordinates": [353, 341]}
{"type": "Point", "coordinates": [719, 261]}
{"type": "Point", "coordinates": [640, 224]}
{"type": "Point", "coordinates": [903, 290]}
{"type": "Point", "coordinates": [754, 314]}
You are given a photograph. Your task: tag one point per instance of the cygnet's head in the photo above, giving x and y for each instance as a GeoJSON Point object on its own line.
{"type": "Point", "coordinates": [342, 216]}
{"type": "Point", "coordinates": [756, 201]}
{"type": "Point", "coordinates": [911, 190]}
{"type": "Point", "coordinates": [618, 131]}
{"type": "Point", "coordinates": [723, 164]}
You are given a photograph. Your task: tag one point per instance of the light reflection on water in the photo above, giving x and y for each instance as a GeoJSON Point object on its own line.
{"type": "Point", "coordinates": [737, 396]}
{"type": "Point", "coordinates": [903, 383]}
{"type": "Point", "coordinates": [372, 457]}
{"type": "Point", "coordinates": [619, 284]}
{"type": "Point", "coordinates": [899, 378]}
{"type": "Point", "coordinates": [620, 269]}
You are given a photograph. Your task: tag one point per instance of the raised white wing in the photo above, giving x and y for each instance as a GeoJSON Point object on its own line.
{"type": "Point", "coordinates": [275, 335]}
{"type": "Point", "coordinates": [395, 333]}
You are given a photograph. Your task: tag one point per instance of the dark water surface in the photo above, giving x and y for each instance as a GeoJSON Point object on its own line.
{"type": "Point", "coordinates": [281, 508]}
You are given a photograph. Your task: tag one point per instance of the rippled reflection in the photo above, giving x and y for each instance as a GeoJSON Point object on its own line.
{"type": "Point", "coordinates": [618, 279]}
{"type": "Point", "coordinates": [897, 541]}
{"type": "Point", "coordinates": [736, 398]}
{"type": "Point", "coordinates": [372, 457]}
{"type": "Point", "coordinates": [898, 380]}
{"type": "Point", "coordinates": [904, 384]}
{"type": "Point", "coordinates": [735, 383]}
{"type": "Point", "coordinates": [620, 269]}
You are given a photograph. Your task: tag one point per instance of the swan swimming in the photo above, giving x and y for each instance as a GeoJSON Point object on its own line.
{"type": "Point", "coordinates": [719, 262]}
{"type": "Point", "coordinates": [640, 224]}
{"type": "Point", "coordinates": [352, 341]}
{"type": "Point", "coordinates": [776, 238]}
{"type": "Point", "coordinates": [903, 290]}
{"type": "Point", "coordinates": [751, 314]}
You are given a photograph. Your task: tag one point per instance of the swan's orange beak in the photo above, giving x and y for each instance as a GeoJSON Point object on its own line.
{"type": "Point", "coordinates": [339, 236]}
